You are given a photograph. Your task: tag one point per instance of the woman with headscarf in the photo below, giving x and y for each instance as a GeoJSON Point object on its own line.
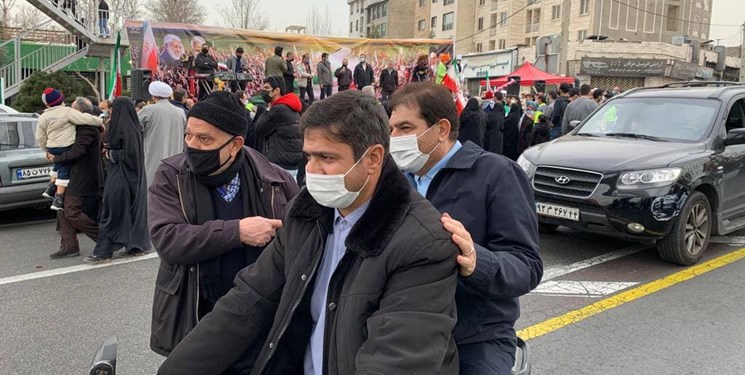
{"type": "Point", "coordinates": [512, 131]}
{"type": "Point", "coordinates": [493, 138]}
{"type": "Point", "coordinates": [123, 222]}
{"type": "Point", "coordinates": [472, 123]}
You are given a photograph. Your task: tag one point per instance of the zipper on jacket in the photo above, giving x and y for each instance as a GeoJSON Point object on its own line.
{"type": "Point", "coordinates": [274, 190]}
{"type": "Point", "coordinates": [273, 344]}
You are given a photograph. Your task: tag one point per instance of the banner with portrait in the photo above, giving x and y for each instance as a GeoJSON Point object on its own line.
{"type": "Point", "coordinates": [168, 49]}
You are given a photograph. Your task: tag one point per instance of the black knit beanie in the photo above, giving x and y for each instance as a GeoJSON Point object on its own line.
{"type": "Point", "coordinates": [223, 110]}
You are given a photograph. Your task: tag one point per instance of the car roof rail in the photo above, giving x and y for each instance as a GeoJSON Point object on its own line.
{"type": "Point", "coordinates": [701, 84]}
{"type": "Point", "coordinates": [724, 89]}
{"type": "Point", "coordinates": [29, 115]}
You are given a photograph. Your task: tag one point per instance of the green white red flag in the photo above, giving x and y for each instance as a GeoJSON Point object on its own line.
{"type": "Point", "coordinates": [115, 87]}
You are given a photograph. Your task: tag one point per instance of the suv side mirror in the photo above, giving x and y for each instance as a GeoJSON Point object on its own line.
{"type": "Point", "coordinates": [735, 137]}
{"type": "Point", "coordinates": [573, 124]}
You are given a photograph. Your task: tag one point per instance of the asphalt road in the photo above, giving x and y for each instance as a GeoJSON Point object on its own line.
{"type": "Point", "coordinates": [611, 319]}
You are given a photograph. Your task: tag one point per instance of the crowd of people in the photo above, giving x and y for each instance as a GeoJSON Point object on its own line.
{"type": "Point", "coordinates": [318, 236]}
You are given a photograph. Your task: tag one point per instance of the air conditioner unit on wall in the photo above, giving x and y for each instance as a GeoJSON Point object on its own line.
{"type": "Point", "coordinates": [679, 40]}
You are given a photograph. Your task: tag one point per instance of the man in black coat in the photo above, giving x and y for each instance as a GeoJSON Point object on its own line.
{"type": "Point", "coordinates": [83, 196]}
{"type": "Point", "coordinates": [487, 204]}
{"type": "Point", "coordinates": [289, 75]}
{"type": "Point", "coordinates": [363, 74]}
{"type": "Point", "coordinates": [388, 81]}
{"type": "Point", "coordinates": [205, 65]}
{"type": "Point", "coordinates": [359, 280]}
{"type": "Point", "coordinates": [343, 76]}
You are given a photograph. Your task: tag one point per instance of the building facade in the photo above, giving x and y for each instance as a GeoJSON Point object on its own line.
{"type": "Point", "coordinates": [507, 23]}
{"type": "Point", "coordinates": [381, 18]}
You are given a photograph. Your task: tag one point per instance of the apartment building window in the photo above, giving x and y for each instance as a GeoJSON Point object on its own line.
{"type": "Point", "coordinates": [351, 10]}
{"type": "Point", "coordinates": [556, 12]}
{"type": "Point", "coordinates": [502, 19]}
{"type": "Point", "coordinates": [584, 6]}
{"type": "Point", "coordinates": [479, 47]}
{"type": "Point", "coordinates": [422, 3]}
{"type": "Point", "coordinates": [673, 18]}
{"type": "Point", "coordinates": [357, 25]}
{"type": "Point", "coordinates": [434, 1]}
{"type": "Point", "coordinates": [481, 23]}
{"type": "Point", "coordinates": [351, 27]}
{"type": "Point", "coordinates": [368, 31]}
{"type": "Point", "coordinates": [581, 35]}
{"type": "Point", "coordinates": [448, 2]}
{"type": "Point", "coordinates": [448, 19]}
{"type": "Point", "coordinates": [482, 3]}
{"type": "Point", "coordinates": [384, 30]}
{"type": "Point", "coordinates": [385, 9]}
{"type": "Point", "coordinates": [422, 25]}
{"type": "Point", "coordinates": [433, 22]}
{"type": "Point", "coordinates": [502, 43]}
{"type": "Point", "coordinates": [492, 45]}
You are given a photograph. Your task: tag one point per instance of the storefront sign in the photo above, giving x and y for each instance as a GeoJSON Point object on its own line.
{"type": "Point", "coordinates": [683, 70]}
{"type": "Point", "coordinates": [492, 64]}
{"type": "Point", "coordinates": [598, 66]}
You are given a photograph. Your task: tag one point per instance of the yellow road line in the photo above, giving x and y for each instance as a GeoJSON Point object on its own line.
{"type": "Point", "coordinates": [550, 325]}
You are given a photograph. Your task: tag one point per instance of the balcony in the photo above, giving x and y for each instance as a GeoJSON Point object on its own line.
{"type": "Point", "coordinates": [532, 28]}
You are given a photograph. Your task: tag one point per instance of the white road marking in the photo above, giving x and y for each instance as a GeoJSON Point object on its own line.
{"type": "Point", "coordinates": [581, 288]}
{"type": "Point", "coordinates": [73, 269]}
{"type": "Point", "coordinates": [558, 271]}
{"type": "Point", "coordinates": [729, 240]}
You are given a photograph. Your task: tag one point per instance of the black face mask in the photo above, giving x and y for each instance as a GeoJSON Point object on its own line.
{"type": "Point", "coordinates": [204, 50]}
{"type": "Point", "coordinates": [266, 96]}
{"type": "Point", "coordinates": [205, 162]}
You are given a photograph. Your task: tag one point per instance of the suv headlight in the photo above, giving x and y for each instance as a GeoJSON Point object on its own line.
{"type": "Point", "coordinates": [653, 178]}
{"type": "Point", "coordinates": [525, 164]}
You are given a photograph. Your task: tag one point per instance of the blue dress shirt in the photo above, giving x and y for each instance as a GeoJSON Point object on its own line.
{"type": "Point", "coordinates": [422, 182]}
{"type": "Point", "coordinates": [332, 255]}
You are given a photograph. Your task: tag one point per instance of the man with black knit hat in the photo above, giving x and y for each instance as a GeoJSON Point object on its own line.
{"type": "Point", "coordinates": [212, 209]}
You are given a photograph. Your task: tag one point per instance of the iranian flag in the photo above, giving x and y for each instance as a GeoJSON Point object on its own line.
{"type": "Point", "coordinates": [488, 84]}
{"type": "Point", "coordinates": [149, 57]}
{"type": "Point", "coordinates": [452, 82]}
{"type": "Point", "coordinates": [115, 88]}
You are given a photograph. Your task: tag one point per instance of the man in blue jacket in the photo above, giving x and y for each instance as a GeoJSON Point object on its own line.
{"type": "Point", "coordinates": [487, 204]}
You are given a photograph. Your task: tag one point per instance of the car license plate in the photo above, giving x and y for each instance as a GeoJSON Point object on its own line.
{"type": "Point", "coordinates": [27, 173]}
{"type": "Point", "coordinates": [560, 212]}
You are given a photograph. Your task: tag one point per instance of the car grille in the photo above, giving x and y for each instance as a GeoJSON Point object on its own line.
{"type": "Point", "coordinates": [581, 184]}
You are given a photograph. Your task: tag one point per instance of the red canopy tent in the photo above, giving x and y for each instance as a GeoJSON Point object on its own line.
{"type": "Point", "coordinates": [529, 74]}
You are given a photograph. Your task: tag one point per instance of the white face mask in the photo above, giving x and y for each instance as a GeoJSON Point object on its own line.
{"type": "Point", "coordinates": [405, 152]}
{"type": "Point", "coordinates": [330, 190]}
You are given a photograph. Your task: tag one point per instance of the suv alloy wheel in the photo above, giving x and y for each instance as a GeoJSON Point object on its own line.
{"type": "Point", "coordinates": [689, 237]}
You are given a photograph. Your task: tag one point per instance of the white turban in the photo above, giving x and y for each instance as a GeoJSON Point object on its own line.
{"type": "Point", "coordinates": [160, 89]}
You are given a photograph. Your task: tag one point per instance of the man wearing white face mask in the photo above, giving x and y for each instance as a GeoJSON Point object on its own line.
{"type": "Point", "coordinates": [361, 274]}
{"type": "Point", "coordinates": [497, 231]}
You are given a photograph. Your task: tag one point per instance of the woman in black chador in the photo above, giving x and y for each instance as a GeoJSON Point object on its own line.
{"type": "Point", "coordinates": [123, 222]}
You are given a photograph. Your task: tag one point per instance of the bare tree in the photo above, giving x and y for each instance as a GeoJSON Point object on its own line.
{"type": "Point", "coordinates": [6, 7]}
{"type": "Point", "coordinates": [245, 14]}
{"type": "Point", "coordinates": [26, 17]}
{"type": "Point", "coordinates": [179, 11]}
{"type": "Point", "coordinates": [318, 21]}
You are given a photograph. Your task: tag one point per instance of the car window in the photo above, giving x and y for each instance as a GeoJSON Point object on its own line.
{"type": "Point", "coordinates": [684, 120]}
{"type": "Point", "coordinates": [17, 134]}
{"type": "Point", "coordinates": [736, 116]}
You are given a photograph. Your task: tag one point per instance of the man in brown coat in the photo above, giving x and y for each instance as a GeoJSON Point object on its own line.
{"type": "Point", "coordinates": [359, 280]}
{"type": "Point", "coordinates": [211, 211]}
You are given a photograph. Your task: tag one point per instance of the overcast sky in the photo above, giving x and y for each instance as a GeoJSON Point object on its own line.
{"type": "Point", "coordinates": [292, 12]}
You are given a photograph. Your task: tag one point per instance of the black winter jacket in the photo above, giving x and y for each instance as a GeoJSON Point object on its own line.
{"type": "Point", "coordinates": [391, 300]}
{"type": "Point", "coordinates": [278, 132]}
{"type": "Point", "coordinates": [389, 81]}
{"type": "Point", "coordinates": [491, 196]}
{"type": "Point", "coordinates": [363, 76]}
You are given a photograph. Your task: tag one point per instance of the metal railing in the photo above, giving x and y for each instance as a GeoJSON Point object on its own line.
{"type": "Point", "coordinates": [45, 58]}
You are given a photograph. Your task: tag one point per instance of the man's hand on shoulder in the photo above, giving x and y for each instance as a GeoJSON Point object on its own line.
{"type": "Point", "coordinates": [258, 231]}
{"type": "Point", "coordinates": [467, 258]}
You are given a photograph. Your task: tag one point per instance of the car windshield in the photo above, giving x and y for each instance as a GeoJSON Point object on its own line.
{"type": "Point", "coordinates": [656, 119]}
{"type": "Point", "coordinates": [17, 134]}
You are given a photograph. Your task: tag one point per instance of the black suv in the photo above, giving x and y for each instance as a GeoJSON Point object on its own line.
{"type": "Point", "coordinates": [663, 164]}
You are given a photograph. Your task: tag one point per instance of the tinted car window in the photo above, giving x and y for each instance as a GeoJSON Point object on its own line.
{"type": "Point", "coordinates": [680, 120]}
{"type": "Point", "coordinates": [17, 134]}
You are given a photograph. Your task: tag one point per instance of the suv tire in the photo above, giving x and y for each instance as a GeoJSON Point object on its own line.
{"type": "Point", "coordinates": [547, 228]}
{"type": "Point", "coordinates": [690, 235]}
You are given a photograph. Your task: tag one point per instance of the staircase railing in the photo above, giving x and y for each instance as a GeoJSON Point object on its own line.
{"type": "Point", "coordinates": [45, 58]}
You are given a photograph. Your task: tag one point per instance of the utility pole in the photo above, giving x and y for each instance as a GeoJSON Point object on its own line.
{"type": "Point", "coordinates": [742, 55]}
{"type": "Point", "coordinates": [566, 12]}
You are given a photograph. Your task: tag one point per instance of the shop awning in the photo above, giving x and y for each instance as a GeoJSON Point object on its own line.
{"type": "Point", "coordinates": [529, 74]}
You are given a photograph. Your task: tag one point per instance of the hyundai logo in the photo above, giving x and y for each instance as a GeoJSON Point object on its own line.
{"type": "Point", "coordinates": [562, 180]}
